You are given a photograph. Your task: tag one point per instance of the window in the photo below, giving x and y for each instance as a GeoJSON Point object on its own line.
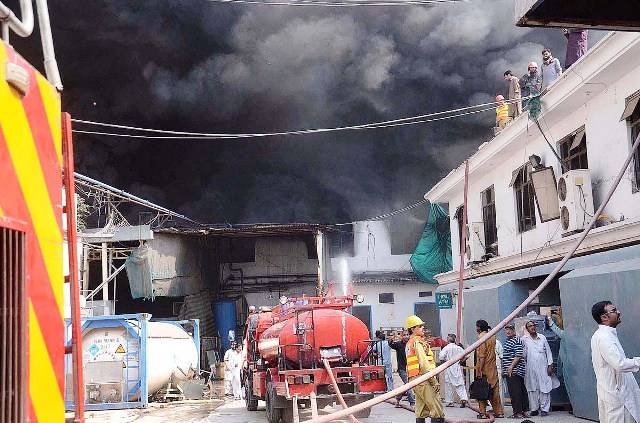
{"type": "Point", "coordinates": [423, 294]}
{"type": "Point", "coordinates": [573, 151]}
{"type": "Point", "coordinates": [525, 201]}
{"type": "Point", "coordinates": [489, 220]}
{"type": "Point", "coordinates": [385, 298]}
{"type": "Point", "coordinates": [632, 116]}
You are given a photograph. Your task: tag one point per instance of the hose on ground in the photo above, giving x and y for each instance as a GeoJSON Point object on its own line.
{"type": "Point", "coordinates": [425, 377]}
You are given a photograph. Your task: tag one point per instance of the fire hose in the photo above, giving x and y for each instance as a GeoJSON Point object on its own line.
{"type": "Point", "coordinates": [471, 348]}
{"type": "Point", "coordinates": [337, 389]}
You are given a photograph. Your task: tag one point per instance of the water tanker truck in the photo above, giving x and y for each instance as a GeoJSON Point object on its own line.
{"type": "Point", "coordinates": [287, 347]}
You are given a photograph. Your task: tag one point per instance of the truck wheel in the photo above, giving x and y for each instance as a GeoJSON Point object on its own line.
{"type": "Point", "coordinates": [249, 398]}
{"type": "Point", "coordinates": [274, 415]}
{"type": "Point", "coordinates": [287, 413]}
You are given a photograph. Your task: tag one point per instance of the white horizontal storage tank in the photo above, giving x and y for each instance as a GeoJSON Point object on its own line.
{"type": "Point", "coordinates": [112, 355]}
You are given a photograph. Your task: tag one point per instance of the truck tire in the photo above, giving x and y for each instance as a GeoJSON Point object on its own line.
{"type": "Point", "coordinates": [274, 414]}
{"type": "Point", "coordinates": [250, 399]}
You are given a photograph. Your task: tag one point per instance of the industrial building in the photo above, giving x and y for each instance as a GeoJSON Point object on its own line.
{"type": "Point", "coordinates": [526, 208]}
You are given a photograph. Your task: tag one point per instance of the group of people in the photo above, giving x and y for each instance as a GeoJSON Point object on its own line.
{"type": "Point", "coordinates": [527, 366]}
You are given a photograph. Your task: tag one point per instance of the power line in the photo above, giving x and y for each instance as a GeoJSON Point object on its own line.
{"type": "Point", "coordinates": [387, 215]}
{"type": "Point", "coordinates": [412, 120]}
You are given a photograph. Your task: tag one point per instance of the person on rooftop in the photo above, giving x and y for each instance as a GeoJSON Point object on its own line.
{"type": "Point", "coordinates": [577, 45]}
{"type": "Point", "coordinates": [551, 68]}
{"type": "Point", "coordinates": [515, 107]}
{"type": "Point", "coordinates": [530, 83]}
{"type": "Point", "coordinates": [502, 113]}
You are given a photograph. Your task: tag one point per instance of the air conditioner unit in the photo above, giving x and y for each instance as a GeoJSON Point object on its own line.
{"type": "Point", "coordinates": [575, 199]}
{"type": "Point", "coordinates": [475, 242]}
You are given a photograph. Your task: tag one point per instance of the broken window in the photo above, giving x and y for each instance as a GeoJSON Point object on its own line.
{"type": "Point", "coordinates": [632, 116]}
{"type": "Point", "coordinates": [459, 217]}
{"type": "Point", "coordinates": [525, 198]}
{"type": "Point", "coordinates": [573, 151]}
{"type": "Point", "coordinates": [489, 220]}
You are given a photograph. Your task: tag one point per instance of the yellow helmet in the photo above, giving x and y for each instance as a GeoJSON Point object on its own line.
{"type": "Point", "coordinates": [412, 322]}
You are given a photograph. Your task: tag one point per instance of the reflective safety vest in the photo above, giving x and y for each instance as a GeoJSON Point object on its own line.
{"type": "Point", "coordinates": [413, 361]}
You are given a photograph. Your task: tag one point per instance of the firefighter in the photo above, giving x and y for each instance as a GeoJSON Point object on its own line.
{"type": "Point", "coordinates": [420, 360]}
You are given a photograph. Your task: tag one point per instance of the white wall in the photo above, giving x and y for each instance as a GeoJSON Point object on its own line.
{"type": "Point", "coordinates": [372, 252]}
{"type": "Point", "coordinates": [405, 296]}
{"type": "Point", "coordinates": [608, 143]}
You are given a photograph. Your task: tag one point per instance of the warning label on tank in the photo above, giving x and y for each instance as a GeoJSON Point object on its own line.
{"type": "Point", "coordinates": [120, 349]}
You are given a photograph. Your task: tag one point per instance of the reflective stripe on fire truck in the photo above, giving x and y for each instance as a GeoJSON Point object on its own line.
{"type": "Point", "coordinates": [30, 171]}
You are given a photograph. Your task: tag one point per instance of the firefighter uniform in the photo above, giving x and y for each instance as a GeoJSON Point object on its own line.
{"type": "Point", "coordinates": [420, 360]}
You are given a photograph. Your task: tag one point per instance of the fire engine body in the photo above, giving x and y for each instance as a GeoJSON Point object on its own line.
{"type": "Point", "coordinates": [286, 347]}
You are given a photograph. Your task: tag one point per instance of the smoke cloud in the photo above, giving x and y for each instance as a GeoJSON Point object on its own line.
{"type": "Point", "coordinates": [201, 66]}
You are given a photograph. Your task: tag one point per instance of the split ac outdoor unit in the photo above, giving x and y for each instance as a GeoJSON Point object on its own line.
{"type": "Point", "coordinates": [575, 199]}
{"type": "Point", "coordinates": [475, 242]}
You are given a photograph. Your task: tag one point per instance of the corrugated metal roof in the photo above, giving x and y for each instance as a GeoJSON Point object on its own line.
{"type": "Point", "coordinates": [253, 229]}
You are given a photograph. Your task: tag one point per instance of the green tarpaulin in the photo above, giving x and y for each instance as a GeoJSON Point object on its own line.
{"type": "Point", "coordinates": [433, 252]}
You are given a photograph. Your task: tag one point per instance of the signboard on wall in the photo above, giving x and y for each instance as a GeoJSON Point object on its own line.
{"type": "Point", "coordinates": [444, 300]}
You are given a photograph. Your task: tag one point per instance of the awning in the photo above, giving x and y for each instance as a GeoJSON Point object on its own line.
{"type": "Point", "coordinates": [632, 104]}
{"type": "Point", "coordinates": [577, 139]}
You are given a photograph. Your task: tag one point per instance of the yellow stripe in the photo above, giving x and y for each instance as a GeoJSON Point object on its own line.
{"type": "Point", "coordinates": [47, 402]}
{"type": "Point", "coordinates": [413, 366]}
{"type": "Point", "coordinates": [51, 101]}
{"type": "Point", "coordinates": [24, 156]}
{"type": "Point", "coordinates": [412, 358]}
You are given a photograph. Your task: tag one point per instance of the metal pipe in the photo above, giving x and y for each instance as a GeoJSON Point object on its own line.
{"type": "Point", "coordinates": [425, 377]}
{"type": "Point", "coordinates": [337, 389]}
{"type": "Point", "coordinates": [50, 63]}
{"type": "Point", "coordinates": [72, 237]}
{"type": "Point", "coordinates": [463, 250]}
{"type": "Point", "coordinates": [109, 279]}
{"type": "Point", "coordinates": [24, 27]}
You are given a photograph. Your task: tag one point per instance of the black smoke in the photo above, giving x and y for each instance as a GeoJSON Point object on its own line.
{"type": "Point", "coordinates": [202, 66]}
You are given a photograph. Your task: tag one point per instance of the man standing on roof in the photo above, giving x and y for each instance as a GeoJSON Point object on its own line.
{"type": "Point", "coordinates": [577, 45]}
{"type": "Point", "coordinates": [420, 361]}
{"type": "Point", "coordinates": [502, 113]}
{"type": "Point", "coordinates": [551, 68]}
{"type": "Point", "coordinates": [515, 107]}
{"type": "Point", "coordinates": [531, 83]}
{"type": "Point", "coordinates": [618, 391]}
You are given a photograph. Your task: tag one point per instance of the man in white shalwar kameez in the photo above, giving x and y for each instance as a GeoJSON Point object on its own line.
{"type": "Point", "coordinates": [235, 362]}
{"type": "Point", "coordinates": [453, 377]}
{"type": "Point", "coordinates": [228, 389]}
{"type": "Point", "coordinates": [538, 372]}
{"type": "Point", "coordinates": [618, 391]}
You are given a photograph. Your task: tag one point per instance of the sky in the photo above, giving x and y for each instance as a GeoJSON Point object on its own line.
{"type": "Point", "coordinates": [196, 65]}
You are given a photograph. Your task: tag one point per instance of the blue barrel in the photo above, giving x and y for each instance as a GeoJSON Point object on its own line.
{"type": "Point", "coordinates": [225, 311]}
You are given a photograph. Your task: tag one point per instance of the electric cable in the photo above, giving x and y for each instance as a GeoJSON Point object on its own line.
{"type": "Point", "coordinates": [412, 120]}
{"type": "Point", "coordinates": [497, 328]}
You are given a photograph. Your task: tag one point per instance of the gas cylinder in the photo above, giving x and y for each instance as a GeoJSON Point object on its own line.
{"type": "Point", "coordinates": [306, 339]}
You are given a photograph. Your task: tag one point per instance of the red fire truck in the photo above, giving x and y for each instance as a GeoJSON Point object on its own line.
{"type": "Point", "coordinates": [286, 349]}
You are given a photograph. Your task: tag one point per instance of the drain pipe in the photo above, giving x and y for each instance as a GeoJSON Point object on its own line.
{"type": "Point", "coordinates": [24, 27]}
{"type": "Point", "coordinates": [50, 63]}
{"type": "Point", "coordinates": [425, 377]}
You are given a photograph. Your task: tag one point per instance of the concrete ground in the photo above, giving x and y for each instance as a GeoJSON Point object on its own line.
{"type": "Point", "coordinates": [235, 412]}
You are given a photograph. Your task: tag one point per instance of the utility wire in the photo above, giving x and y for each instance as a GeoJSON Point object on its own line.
{"type": "Point", "coordinates": [387, 215]}
{"type": "Point", "coordinates": [412, 120]}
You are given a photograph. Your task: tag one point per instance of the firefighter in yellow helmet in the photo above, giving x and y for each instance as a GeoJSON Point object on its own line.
{"type": "Point", "coordinates": [420, 360]}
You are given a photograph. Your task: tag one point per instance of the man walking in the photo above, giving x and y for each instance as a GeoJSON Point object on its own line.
{"type": "Point", "coordinates": [399, 344]}
{"type": "Point", "coordinates": [515, 107]}
{"type": "Point", "coordinates": [420, 361]}
{"type": "Point", "coordinates": [539, 369]}
{"type": "Point", "coordinates": [486, 367]}
{"type": "Point", "coordinates": [453, 377]}
{"type": "Point", "coordinates": [618, 391]}
{"type": "Point", "coordinates": [386, 358]}
{"type": "Point", "coordinates": [513, 370]}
